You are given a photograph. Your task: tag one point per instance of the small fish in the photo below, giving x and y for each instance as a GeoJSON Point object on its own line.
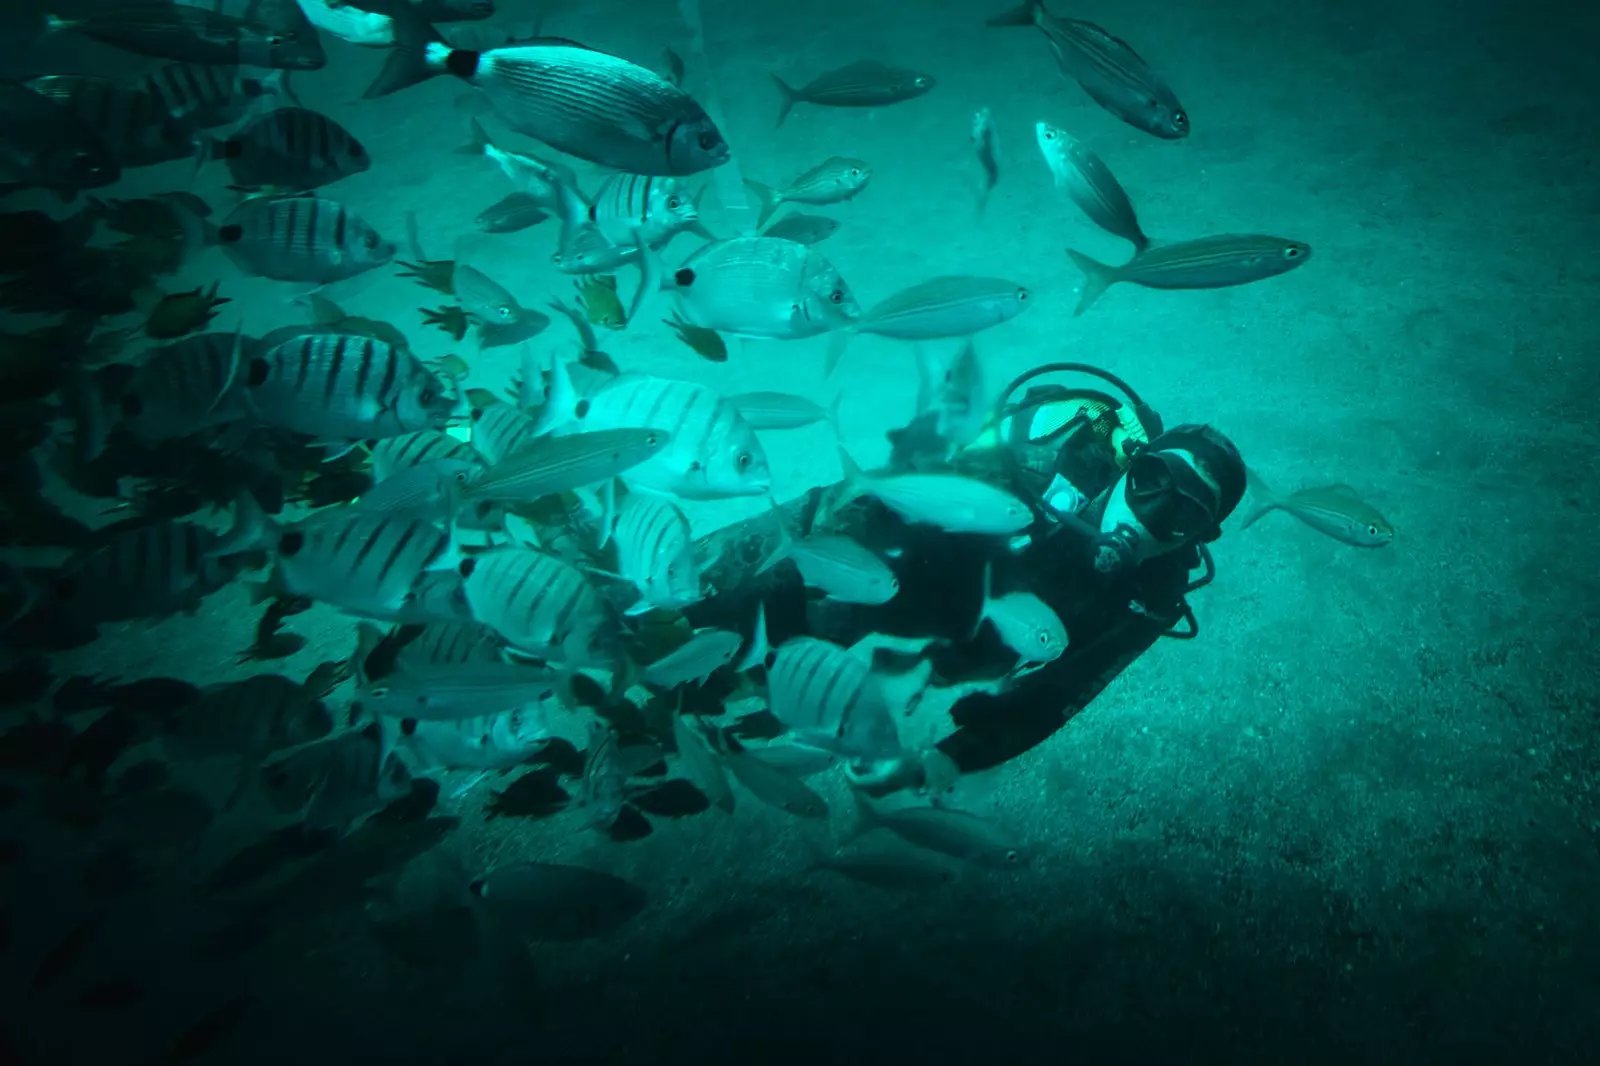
{"type": "Point", "coordinates": [132, 123]}
{"type": "Point", "coordinates": [539, 604]}
{"type": "Point", "coordinates": [955, 306]}
{"type": "Point", "coordinates": [707, 343]}
{"type": "Point", "coordinates": [455, 691]}
{"type": "Point", "coordinates": [597, 298]}
{"type": "Point", "coordinates": [655, 553]}
{"type": "Point", "coordinates": [942, 829]}
{"type": "Point", "coordinates": [549, 901]}
{"type": "Point", "coordinates": [775, 786]}
{"type": "Point", "coordinates": [832, 181]}
{"type": "Point", "coordinates": [302, 238]}
{"type": "Point", "coordinates": [365, 563]}
{"type": "Point", "coordinates": [486, 742]}
{"type": "Point", "coordinates": [828, 698]}
{"type": "Point", "coordinates": [428, 489]}
{"type": "Point", "coordinates": [838, 565]}
{"type": "Point", "coordinates": [46, 147]}
{"type": "Point", "coordinates": [335, 781]}
{"type": "Point", "coordinates": [802, 229]}
{"type": "Point", "coordinates": [270, 641]}
{"type": "Point", "coordinates": [701, 763]}
{"type": "Point", "coordinates": [194, 35]}
{"type": "Point", "coordinates": [1025, 623]}
{"type": "Point", "coordinates": [511, 214]}
{"type": "Point", "coordinates": [436, 274]}
{"type": "Point", "coordinates": [289, 148]}
{"type": "Point", "coordinates": [1332, 509]}
{"type": "Point", "coordinates": [1207, 263]}
{"type": "Point", "coordinates": [705, 653]}
{"type": "Point", "coordinates": [898, 870]}
{"type": "Point", "coordinates": [549, 465]}
{"type": "Point", "coordinates": [247, 719]}
{"type": "Point", "coordinates": [762, 287]}
{"type": "Point", "coordinates": [603, 795]}
{"type": "Point", "coordinates": [800, 760]}
{"type": "Point", "coordinates": [783, 410]}
{"type": "Point", "coordinates": [186, 387]}
{"type": "Point", "coordinates": [953, 502]}
{"type": "Point", "coordinates": [181, 313]}
{"type": "Point", "coordinates": [597, 107]}
{"type": "Point", "coordinates": [452, 319]}
{"type": "Point", "coordinates": [713, 453]}
{"type": "Point", "coordinates": [206, 95]}
{"type": "Point", "coordinates": [393, 455]}
{"type": "Point", "coordinates": [866, 83]}
{"type": "Point", "coordinates": [954, 395]}
{"type": "Point", "coordinates": [1090, 183]}
{"type": "Point", "coordinates": [500, 430]}
{"type": "Point", "coordinates": [538, 182]}
{"type": "Point", "coordinates": [1107, 69]}
{"type": "Point", "coordinates": [339, 387]}
{"type": "Point", "coordinates": [628, 208]}
{"type": "Point", "coordinates": [501, 319]}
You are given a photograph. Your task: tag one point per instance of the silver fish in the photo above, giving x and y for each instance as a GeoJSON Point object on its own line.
{"type": "Point", "coordinates": [832, 181]}
{"type": "Point", "coordinates": [487, 742]}
{"type": "Point", "coordinates": [391, 455]}
{"type": "Point", "coordinates": [1335, 510]}
{"type": "Point", "coordinates": [604, 788]}
{"type": "Point", "coordinates": [548, 465]}
{"type": "Point", "coordinates": [627, 207]}
{"type": "Point", "coordinates": [132, 123]}
{"type": "Point", "coordinates": [897, 871]}
{"type": "Point", "coordinates": [501, 430]}
{"type": "Point", "coordinates": [952, 306]}
{"type": "Point", "coordinates": [838, 565]}
{"type": "Point", "coordinates": [701, 763]}
{"type": "Point", "coordinates": [539, 182]}
{"type": "Point", "coordinates": [1026, 623]}
{"type": "Point", "coordinates": [1207, 263]}
{"type": "Point", "coordinates": [783, 410]}
{"type": "Point", "coordinates": [511, 214]}
{"type": "Point", "coordinates": [194, 35]}
{"type": "Point", "coordinates": [953, 502]}
{"type": "Point", "coordinates": [301, 238]}
{"type": "Point", "coordinates": [955, 395]}
{"type": "Point", "coordinates": [713, 453]}
{"type": "Point", "coordinates": [983, 143]}
{"type": "Point", "coordinates": [866, 83]}
{"type": "Point", "coordinates": [187, 386]}
{"type": "Point", "coordinates": [775, 787]}
{"type": "Point", "coordinates": [942, 829]}
{"type": "Point", "coordinates": [364, 563]}
{"type": "Point", "coordinates": [1090, 183]}
{"type": "Point", "coordinates": [762, 287]}
{"type": "Point", "coordinates": [1108, 70]}
{"type": "Point", "coordinates": [289, 148]}
{"type": "Point", "coordinates": [591, 105]}
{"type": "Point", "coordinates": [655, 553]}
{"type": "Point", "coordinates": [336, 386]}
{"type": "Point", "coordinates": [204, 95]}
{"type": "Point", "coordinates": [501, 319]}
{"type": "Point", "coordinates": [705, 653]}
{"type": "Point", "coordinates": [828, 698]}
{"type": "Point", "coordinates": [429, 489]}
{"type": "Point", "coordinates": [456, 691]}
{"type": "Point", "coordinates": [802, 229]}
{"type": "Point", "coordinates": [798, 760]}
{"type": "Point", "coordinates": [541, 605]}
{"type": "Point", "coordinates": [335, 781]}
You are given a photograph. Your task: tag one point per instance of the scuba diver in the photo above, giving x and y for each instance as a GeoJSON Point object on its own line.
{"type": "Point", "coordinates": [1123, 509]}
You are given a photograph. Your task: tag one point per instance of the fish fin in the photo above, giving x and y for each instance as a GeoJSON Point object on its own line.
{"type": "Point", "coordinates": [788, 98]}
{"type": "Point", "coordinates": [838, 341]}
{"type": "Point", "coordinates": [863, 817]}
{"type": "Point", "coordinates": [983, 606]}
{"type": "Point", "coordinates": [1141, 243]}
{"type": "Point", "coordinates": [1026, 15]}
{"type": "Point", "coordinates": [760, 647]}
{"type": "Point", "coordinates": [477, 139]}
{"type": "Point", "coordinates": [608, 510]}
{"type": "Point", "coordinates": [251, 528]}
{"type": "Point", "coordinates": [1265, 498]}
{"type": "Point", "coordinates": [769, 198]}
{"type": "Point", "coordinates": [832, 413]}
{"type": "Point", "coordinates": [854, 477]}
{"type": "Point", "coordinates": [1097, 278]}
{"type": "Point", "coordinates": [419, 53]}
{"type": "Point", "coordinates": [572, 208]}
{"type": "Point", "coordinates": [651, 276]}
{"type": "Point", "coordinates": [785, 540]}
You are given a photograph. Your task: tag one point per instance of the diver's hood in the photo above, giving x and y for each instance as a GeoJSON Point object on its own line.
{"type": "Point", "coordinates": [1184, 484]}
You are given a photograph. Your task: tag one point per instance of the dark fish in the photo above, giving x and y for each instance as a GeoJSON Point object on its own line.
{"type": "Point", "coordinates": [436, 274]}
{"type": "Point", "coordinates": [43, 146]}
{"type": "Point", "coordinates": [335, 386]}
{"type": "Point", "coordinates": [802, 229]}
{"type": "Point", "coordinates": [145, 572]}
{"type": "Point", "coordinates": [515, 212]}
{"type": "Point", "coordinates": [983, 142]}
{"type": "Point", "coordinates": [535, 794]}
{"type": "Point", "coordinates": [258, 861]}
{"type": "Point", "coordinates": [181, 313]}
{"type": "Point", "coordinates": [1090, 183]}
{"type": "Point", "coordinates": [866, 83]}
{"type": "Point", "coordinates": [143, 777]}
{"type": "Point", "coordinates": [186, 387]}
{"type": "Point", "coordinates": [26, 680]}
{"type": "Point", "coordinates": [1108, 70]}
{"type": "Point", "coordinates": [195, 35]}
{"type": "Point", "coordinates": [290, 148]}
{"type": "Point", "coordinates": [1208, 263]}
{"type": "Point", "coordinates": [112, 993]}
{"type": "Point", "coordinates": [203, 95]}
{"type": "Point", "coordinates": [250, 717]}
{"type": "Point", "coordinates": [302, 238]}
{"type": "Point", "coordinates": [589, 104]}
{"type": "Point", "coordinates": [336, 781]}
{"type": "Point", "coordinates": [549, 901]}
{"type": "Point", "coordinates": [211, 1029]}
{"type": "Point", "coordinates": [270, 642]}
{"type": "Point", "coordinates": [116, 870]}
{"type": "Point", "coordinates": [132, 122]}
{"type": "Point", "coordinates": [65, 952]}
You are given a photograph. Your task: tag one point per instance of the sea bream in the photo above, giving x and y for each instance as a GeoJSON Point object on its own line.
{"type": "Point", "coordinates": [655, 553]}
{"type": "Point", "coordinates": [713, 453]}
{"type": "Point", "coordinates": [1090, 183]}
{"type": "Point", "coordinates": [762, 287]}
{"type": "Point", "coordinates": [589, 104]}
{"type": "Point", "coordinates": [339, 387]}
{"type": "Point", "coordinates": [191, 34]}
{"type": "Point", "coordinates": [865, 83]}
{"type": "Point", "coordinates": [1206, 263]}
{"type": "Point", "coordinates": [132, 122]}
{"type": "Point", "coordinates": [301, 238]}
{"type": "Point", "coordinates": [43, 146]}
{"type": "Point", "coordinates": [829, 699]}
{"type": "Point", "coordinates": [554, 464]}
{"type": "Point", "coordinates": [203, 95]}
{"type": "Point", "coordinates": [366, 564]}
{"type": "Point", "coordinates": [541, 605]}
{"type": "Point", "coordinates": [289, 148]}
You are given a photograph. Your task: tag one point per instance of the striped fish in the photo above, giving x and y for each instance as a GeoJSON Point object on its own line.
{"type": "Point", "coordinates": [363, 563]}
{"type": "Point", "coordinates": [783, 410]}
{"type": "Point", "coordinates": [188, 386]}
{"type": "Point", "coordinates": [1108, 70]}
{"type": "Point", "coordinates": [454, 691]}
{"type": "Point", "coordinates": [190, 34]}
{"type": "Point", "coordinates": [951, 306]}
{"type": "Point", "coordinates": [713, 452]}
{"type": "Point", "coordinates": [649, 206]}
{"type": "Point", "coordinates": [431, 489]}
{"type": "Point", "coordinates": [828, 698]}
{"type": "Point", "coordinates": [703, 655]}
{"type": "Point", "coordinates": [1208, 263]}
{"type": "Point", "coordinates": [541, 605]}
{"type": "Point", "coordinates": [302, 238]}
{"type": "Point", "coordinates": [450, 643]}
{"type": "Point", "coordinates": [290, 148]}
{"type": "Point", "coordinates": [830, 182]}
{"type": "Point", "coordinates": [511, 214]}
{"type": "Point", "coordinates": [655, 552]}
{"type": "Point", "coordinates": [203, 95]}
{"type": "Point", "coordinates": [549, 465]}
{"type": "Point", "coordinates": [252, 716]}
{"type": "Point", "coordinates": [499, 430]}
{"type": "Point", "coordinates": [337, 386]}
{"type": "Point", "coordinates": [580, 101]}
{"type": "Point", "coordinates": [1090, 183]}
{"type": "Point", "coordinates": [132, 122]}
{"type": "Point", "coordinates": [487, 742]}
{"type": "Point", "coordinates": [394, 454]}
{"type": "Point", "coordinates": [335, 781]}
{"type": "Point", "coordinates": [866, 83]}
{"type": "Point", "coordinates": [146, 572]}
{"type": "Point", "coordinates": [763, 287]}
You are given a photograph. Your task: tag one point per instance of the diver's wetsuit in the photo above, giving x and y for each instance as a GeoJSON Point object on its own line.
{"type": "Point", "coordinates": [1111, 614]}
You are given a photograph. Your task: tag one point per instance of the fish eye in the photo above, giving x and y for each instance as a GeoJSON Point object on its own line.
{"type": "Point", "coordinates": [1372, 531]}
{"type": "Point", "coordinates": [1180, 120]}
{"type": "Point", "coordinates": [1049, 135]}
{"type": "Point", "coordinates": [1044, 639]}
{"type": "Point", "coordinates": [673, 203]}
{"type": "Point", "coordinates": [744, 461]}
{"type": "Point", "coordinates": [1292, 252]}
{"type": "Point", "coordinates": [837, 296]}
{"type": "Point", "coordinates": [425, 397]}
{"type": "Point", "coordinates": [356, 151]}
{"type": "Point", "coordinates": [708, 140]}
{"type": "Point", "coordinates": [1023, 295]}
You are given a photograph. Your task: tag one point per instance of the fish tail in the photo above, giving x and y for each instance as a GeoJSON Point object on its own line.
{"type": "Point", "coordinates": [832, 413]}
{"type": "Point", "coordinates": [854, 482]}
{"type": "Point", "coordinates": [651, 273]}
{"type": "Point", "coordinates": [788, 98]}
{"type": "Point", "coordinates": [1025, 15]}
{"type": "Point", "coordinates": [785, 540]}
{"type": "Point", "coordinates": [769, 198]}
{"type": "Point", "coordinates": [1263, 499]}
{"type": "Point", "coordinates": [1097, 278]}
{"type": "Point", "coordinates": [418, 54]}
{"type": "Point", "coordinates": [477, 140]}
{"type": "Point", "coordinates": [863, 817]}
{"type": "Point", "coordinates": [983, 605]}
{"type": "Point", "coordinates": [838, 341]}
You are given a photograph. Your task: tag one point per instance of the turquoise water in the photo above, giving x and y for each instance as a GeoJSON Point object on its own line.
{"type": "Point", "coordinates": [1355, 821]}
